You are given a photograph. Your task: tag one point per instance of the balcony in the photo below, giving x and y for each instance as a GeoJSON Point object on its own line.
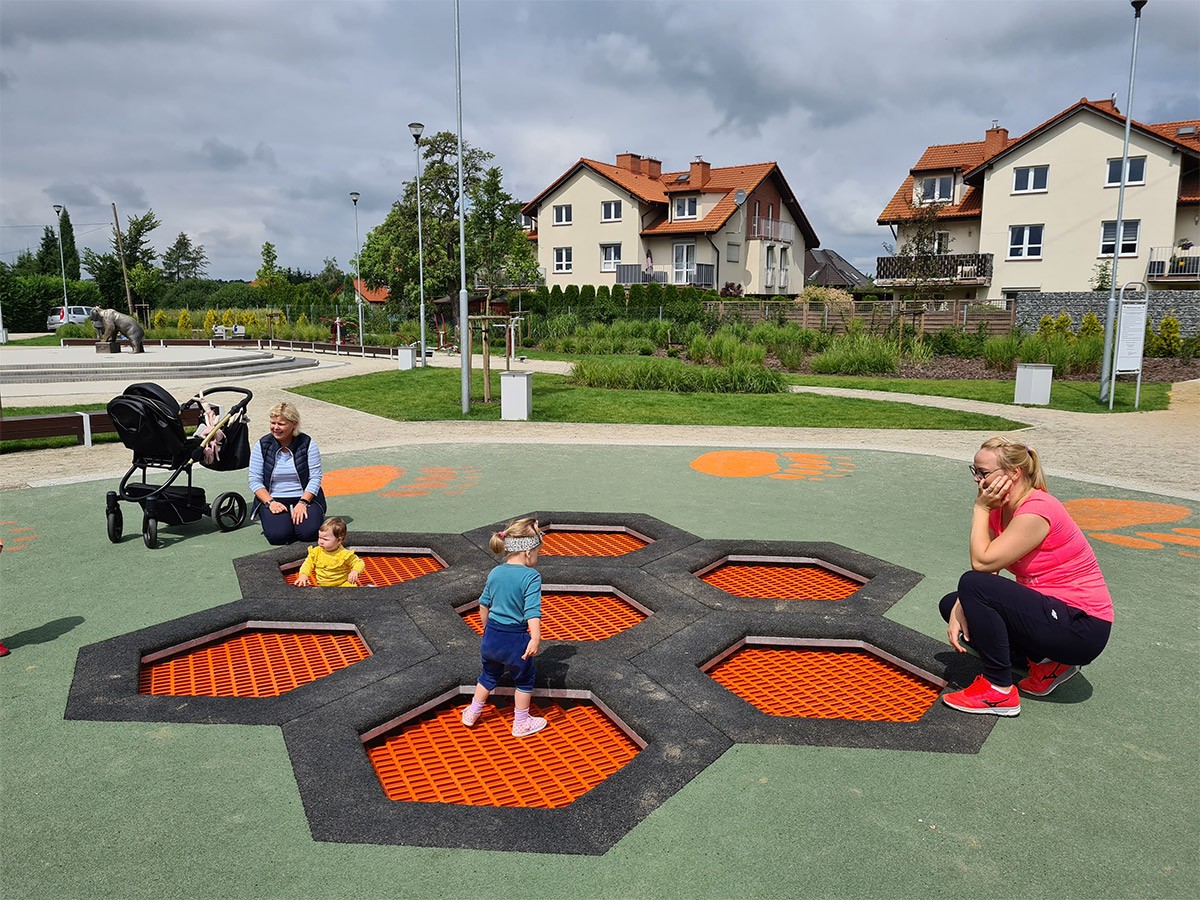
{"type": "Point", "coordinates": [635, 274]}
{"type": "Point", "coordinates": [702, 276]}
{"type": "Point", "coordinates": [764, 229]}
{"type": "Point", "coordinates": [947, 268]}
{"type": "Point", "coordinates": [1174, 264]}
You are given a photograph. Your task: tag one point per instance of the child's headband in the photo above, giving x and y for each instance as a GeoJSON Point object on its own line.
{"type": "Point", "coordinates": [521, 544]}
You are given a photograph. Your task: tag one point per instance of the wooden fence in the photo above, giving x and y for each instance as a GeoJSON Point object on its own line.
{"type": "Point", "coordinates": [927, 318]}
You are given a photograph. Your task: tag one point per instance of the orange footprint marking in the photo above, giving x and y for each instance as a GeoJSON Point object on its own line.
{"type": "Point", "coordinates": [766, 464]}
{"type": "Point", "coordinates": [363, 480]}
{"type": "Point", "coordinates": [1093, 514]}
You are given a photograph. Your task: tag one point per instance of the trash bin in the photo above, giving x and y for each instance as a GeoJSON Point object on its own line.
{"type": "Point", "coordinates": [1033, 384]}
{"type": "Point", "coordinates": [406, 358]}
{"type": "Point", "coordinates": [516, 395]}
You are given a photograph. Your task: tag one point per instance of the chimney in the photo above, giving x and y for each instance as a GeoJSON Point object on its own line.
{"type": "Point", "coordinates": [631, 162]}
{"type": "Point", "coordinates": [699, 174]}
{"type": "Point", "coordinates": [995, 139]}
{"type": "Point", "coordinates": [653, 167]}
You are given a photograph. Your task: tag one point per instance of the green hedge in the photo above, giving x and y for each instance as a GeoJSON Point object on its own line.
{"type": "Point", "coordinates": [26, 300]}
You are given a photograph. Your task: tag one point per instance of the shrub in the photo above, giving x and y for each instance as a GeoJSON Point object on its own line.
{"type": "Point", "coordinates": [669, 375]}
{"type": "Point", "coordinates": [697, 348]}
{"type": "Point", "coordinates": [857, 354]}
{"type": "Point", "coordinates": [76, 331]}
{"type": "Point", "coordinates": [1001, 353]}
{"type": "Point", "coordinates": [184, 323]}
{"type": "Point", "coordinates": [210, 321]}
{"type": "Point", "coordinates": [1169, 336]}
{"type": "Point", "coordinates": [160, 319]}
{"type": "Point", "coordinates": [1090, 326]}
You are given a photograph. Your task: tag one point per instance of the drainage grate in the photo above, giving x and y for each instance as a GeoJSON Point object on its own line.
{"type": "Point", "coordinates": [252, 664]}
{"type": "Point", "coordinates": [437, 759]}
{"type": "Point", "coordinates": [825, 684]}
{"type": "Point", "coordinates": [386, 569]}
{"type": "Point", "coordinates": [582, 542]}
{"type": "Point", "coordinates": [781, 581]}
{"type": "Point", "coordinates": [577, 617]}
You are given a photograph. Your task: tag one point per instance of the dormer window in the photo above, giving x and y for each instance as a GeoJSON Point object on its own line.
{"type": "Point", "coordinates": [685, 207]}
{"type": "Point", "coordinates": [936, 189]}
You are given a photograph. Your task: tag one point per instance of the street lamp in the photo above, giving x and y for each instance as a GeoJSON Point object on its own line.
{"type": "Point", "coordinates": [415, 129]}
{"type": "Point", "coordinates": [58, 215]}
{"type": "Point", "coordinates": [1111, 311]}
{"type": "Point", "coordinates": [463, 325]}
{"type": "Point", "coordinates": [354, 195]}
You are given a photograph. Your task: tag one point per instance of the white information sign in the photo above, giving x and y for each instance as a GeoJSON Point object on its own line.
{"type": "Point", "coordinates": [1131, 337]}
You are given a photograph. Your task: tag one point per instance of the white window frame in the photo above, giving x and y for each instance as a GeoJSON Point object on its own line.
{"type": "Point", "coordinates": [563, 260]}
{"type": "Point", "coordinates": [691, 208]}
{"type": "Point", "coordinates": [1113, 171]}
{"type": "Point", "coordinates": [610, 257]}
{"type": "Point", "coordinates": [939, 181]}
{"type": "Point", "coordinates": [1025, 179]}
{"type": "Point", "coordinates": [562, 214]}
{"type": "Point", "coordinates": [1108, 236]}
{"type": "Point", "coordinates": [610, 210]}
{"type": "Point", "coordinates": [769, 267]}
{"type": "Point", "coordinates": [683, 262]}
{"type": "Point", "coordinates": [784, 264]}
{"type": "Point", "coordinates": [1025, 245]}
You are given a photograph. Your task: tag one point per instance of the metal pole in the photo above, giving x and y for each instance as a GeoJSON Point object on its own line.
{"type": "Point", "coordinates": [417, 128]}
{"type": "Point", "coordinates": [463, 325]}
{"type": "Point", "coordinates": [1111, 312]}
{"type": "Point", "coordinates": [58, 213]}
{"type": "Point", "coordinates": [354, 195]}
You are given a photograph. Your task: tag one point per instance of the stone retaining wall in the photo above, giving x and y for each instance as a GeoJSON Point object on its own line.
{"type": "Point", "coordinates": [1184, 305]}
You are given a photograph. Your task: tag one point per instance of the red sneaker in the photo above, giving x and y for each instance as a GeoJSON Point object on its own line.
{"type": "Point", "coordinates": [981, 697]}
{"type": "Point", "coordinates": [1045, 677]}
{"type": "Point", "coordinates": [4, 651]}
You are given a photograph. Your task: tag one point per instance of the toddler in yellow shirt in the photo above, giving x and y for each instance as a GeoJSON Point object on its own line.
{"type": "Point", "coordinates": [329, 564]}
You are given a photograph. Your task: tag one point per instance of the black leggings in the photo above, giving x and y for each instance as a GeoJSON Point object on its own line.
{"type": "Point", "coordinates": [1010, 623]}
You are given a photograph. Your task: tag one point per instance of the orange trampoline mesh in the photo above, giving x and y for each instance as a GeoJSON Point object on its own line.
{"type": "Point", "coordinates": [589, 543]}
{"type": "Point", "coordinates": [437, 759]}
{"type": "Point", "coordinates": [384, 569]}
{"type": "Point", "coordinates": [825, 684]}
{"type": "Point", "coordinates": [253, 664]}
{"type": "Point", "coordinates": [781, 581]}
{"type": "Point", "coordinates": [577, 617]}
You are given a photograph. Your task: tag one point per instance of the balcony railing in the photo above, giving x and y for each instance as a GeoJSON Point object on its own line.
{"type": "Point", "coordinates": [1173, 264]}
{"type": "Point", "coordinates": [635, 274]}
{"type": "Point", "coordinates": [764, 229]}
{"type": "Point", "coordinates": [950, 268]}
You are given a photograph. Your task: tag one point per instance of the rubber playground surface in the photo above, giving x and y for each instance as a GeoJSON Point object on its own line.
{"type": "Point", "coordinates": [1092, 792]}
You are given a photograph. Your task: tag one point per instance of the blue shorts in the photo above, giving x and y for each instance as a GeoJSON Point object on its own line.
{"type": "Point", "coordinates": [501, 649]}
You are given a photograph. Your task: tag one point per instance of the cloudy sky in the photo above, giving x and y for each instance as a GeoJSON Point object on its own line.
{"type": "Point", "coordinates": [246, 122]}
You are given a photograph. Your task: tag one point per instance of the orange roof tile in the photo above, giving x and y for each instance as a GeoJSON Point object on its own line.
{"type": "Point", "coordinates": [371, 295]}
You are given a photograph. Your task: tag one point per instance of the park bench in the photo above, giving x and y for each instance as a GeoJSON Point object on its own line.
{"type": "Point", "coordinates": [80, 425]}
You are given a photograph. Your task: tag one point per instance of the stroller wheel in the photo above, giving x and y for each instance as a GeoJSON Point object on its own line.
{"type": "Point", "coordinates": [115, 523]}
{"type": "Point", "coordinates": [150, 531]}
{"type": "Point", "coordinates": [229, 511]}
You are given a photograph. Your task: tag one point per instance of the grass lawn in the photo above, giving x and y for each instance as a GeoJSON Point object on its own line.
{"type": "Point", "coordinates": [1070, 396]}
{"type": "Point", "coordinates": [45, 340]}
{"type": "Point", "coordinates": [434, 394]}
{"type": "Point", "coordinates": [53, 442]}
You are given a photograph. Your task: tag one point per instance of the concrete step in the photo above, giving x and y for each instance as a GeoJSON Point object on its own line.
{"type": "Point", "coordinates": [253, 363]}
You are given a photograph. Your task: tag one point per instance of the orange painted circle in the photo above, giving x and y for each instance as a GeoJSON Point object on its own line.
{"type": "Point", "coordinates": [737, 463]}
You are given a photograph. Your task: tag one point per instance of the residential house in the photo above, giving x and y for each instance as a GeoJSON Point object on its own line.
{"type": "Point", "coordinates": [828, 268]}
{"type": "Point", "coordinates": [369, 295]}
{"type": "Point", "coordinates": [1039, 212]}
{"type": "Point", "coordinates": [707, 226]}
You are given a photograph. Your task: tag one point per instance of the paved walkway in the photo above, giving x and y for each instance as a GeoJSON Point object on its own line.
{"type": "Point", "coordinates": [1148, 451]}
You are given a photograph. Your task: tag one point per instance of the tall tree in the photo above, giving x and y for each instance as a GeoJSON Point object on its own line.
{"type": "Point", "coordinates": [390, 256]}
{"type": "Point", "coordinates": [270, 280]}
{"type": "Point", "coordinates": [47, 255]}
{"type": "Point", "coordinates": [105, 268]}
{"type": "Point", "coordinates": [497, 246]}
{"type": "Point", "coordinates": [184, 260]}
{"type": "Point", "coordinates": [69, 250]}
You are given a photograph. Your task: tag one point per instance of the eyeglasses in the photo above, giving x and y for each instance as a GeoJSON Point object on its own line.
{"type": "Point", "coordinates": [980, 474]}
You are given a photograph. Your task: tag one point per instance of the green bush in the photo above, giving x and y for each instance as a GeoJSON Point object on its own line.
{"type": "Point", "coordinates": [1001, 353]}
{"type": "Point", "coordinates": [1090, 326]}
{"type": "Point", "coordinates": [857, 354]}
{"type": "Point", "coordinates": [697, 349]}
{"type": "Point", "coordinates": [670, 375]}
{"type": "Point", "coordinates": [76, 331]}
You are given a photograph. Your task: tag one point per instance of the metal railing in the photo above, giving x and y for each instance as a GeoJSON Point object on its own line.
{"type": "Point", "coordinates": [1173, 263]}
{"type": "Point", "coordinates": [631, 273]}
{"type": "Point", "coordinates": [958, 268]}
{"type": "Point", "coordinates": [764, 229]}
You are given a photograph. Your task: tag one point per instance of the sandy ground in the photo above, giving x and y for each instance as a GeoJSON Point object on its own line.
{"type": "Point", "coordinates": [1157, 452]}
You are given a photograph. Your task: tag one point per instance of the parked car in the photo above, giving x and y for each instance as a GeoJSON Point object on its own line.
{"type": "Point", "coordinates": [68, 315]}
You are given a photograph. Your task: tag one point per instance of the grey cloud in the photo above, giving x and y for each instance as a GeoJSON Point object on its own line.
{"type": "Point", "coordinates": [222, 156]}
{"type": "Point", "coordinates": [73, 195]}
{"type": "Point", "coordinates": [265, 155]}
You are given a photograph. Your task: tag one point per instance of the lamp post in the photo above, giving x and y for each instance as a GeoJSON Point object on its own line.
{"type": "Point", "coordinates": [416, 129]}
{"type": "Point", "coordinates": [62, 264]}
{"type": "Point", "coordinates": [354, 195]}
{"type": "Point", "coordinates": [1111, 312]}
{"type": "Point", "coordinates": [463, 324]}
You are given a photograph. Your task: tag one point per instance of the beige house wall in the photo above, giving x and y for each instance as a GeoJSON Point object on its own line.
{"type": "Point", "coordinates": [1075, 204]}
{"type": "Point", "coordinates": [585, 191]}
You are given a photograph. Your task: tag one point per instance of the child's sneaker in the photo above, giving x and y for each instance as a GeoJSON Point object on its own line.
{"type": "Point", "coordinates": [981, 697]}
{"type": "Point", "coordinates": [1045, 677]}
{"type": "Point", "coordinates": [532, 725]}
{"type": "Point", "coordinates": [471, 715]}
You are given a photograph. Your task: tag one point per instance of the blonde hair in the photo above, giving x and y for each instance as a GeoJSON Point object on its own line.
{"type": "Point", "coordinates": [336, 525]}
{"type": "Point", "coordinates": [1016, 456]}
{"type": "Point", "coordinates": [517, 528]}
{"type": "Point", "coordinates": [287, 412]}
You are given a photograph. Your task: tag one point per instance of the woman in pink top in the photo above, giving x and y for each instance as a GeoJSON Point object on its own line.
{"type": "Point", "coordinates": [1055, 617]}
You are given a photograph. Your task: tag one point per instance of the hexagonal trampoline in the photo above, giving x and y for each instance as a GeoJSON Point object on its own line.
{"type": "Point", "coordinates": [385, 566]}
{"type": "Point", "coordinates": [780, 578]}
{"type": "Point", "coordinates": [577, 613]}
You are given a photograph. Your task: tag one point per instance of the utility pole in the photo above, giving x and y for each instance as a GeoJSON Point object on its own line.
{"type": "Point", "coordinates": [121, 254]}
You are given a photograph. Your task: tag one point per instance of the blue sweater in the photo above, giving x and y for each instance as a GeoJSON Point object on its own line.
{"type": "Point", "coordinates": [513, 594]}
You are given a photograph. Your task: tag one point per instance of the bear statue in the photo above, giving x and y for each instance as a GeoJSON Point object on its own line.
{"type": "Point", "coordinates": [108, 322]}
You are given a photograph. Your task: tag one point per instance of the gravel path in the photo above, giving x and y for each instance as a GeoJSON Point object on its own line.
{"type": "Point", "coordinates": [1158, 452]}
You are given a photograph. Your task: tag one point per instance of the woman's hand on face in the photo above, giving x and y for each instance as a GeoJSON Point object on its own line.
{"type": "Point", "coordinates": [993, 490]}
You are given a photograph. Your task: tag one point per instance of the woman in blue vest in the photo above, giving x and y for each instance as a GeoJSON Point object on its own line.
{"type": "Point", "coordinates": [285, 478]}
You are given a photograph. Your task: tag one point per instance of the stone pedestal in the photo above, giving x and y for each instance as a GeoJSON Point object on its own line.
{"type": "Point", "coordinates": [108, 347]}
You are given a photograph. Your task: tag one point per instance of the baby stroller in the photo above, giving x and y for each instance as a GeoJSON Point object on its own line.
{"type": "Point", "coordinates": [149, 422]}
